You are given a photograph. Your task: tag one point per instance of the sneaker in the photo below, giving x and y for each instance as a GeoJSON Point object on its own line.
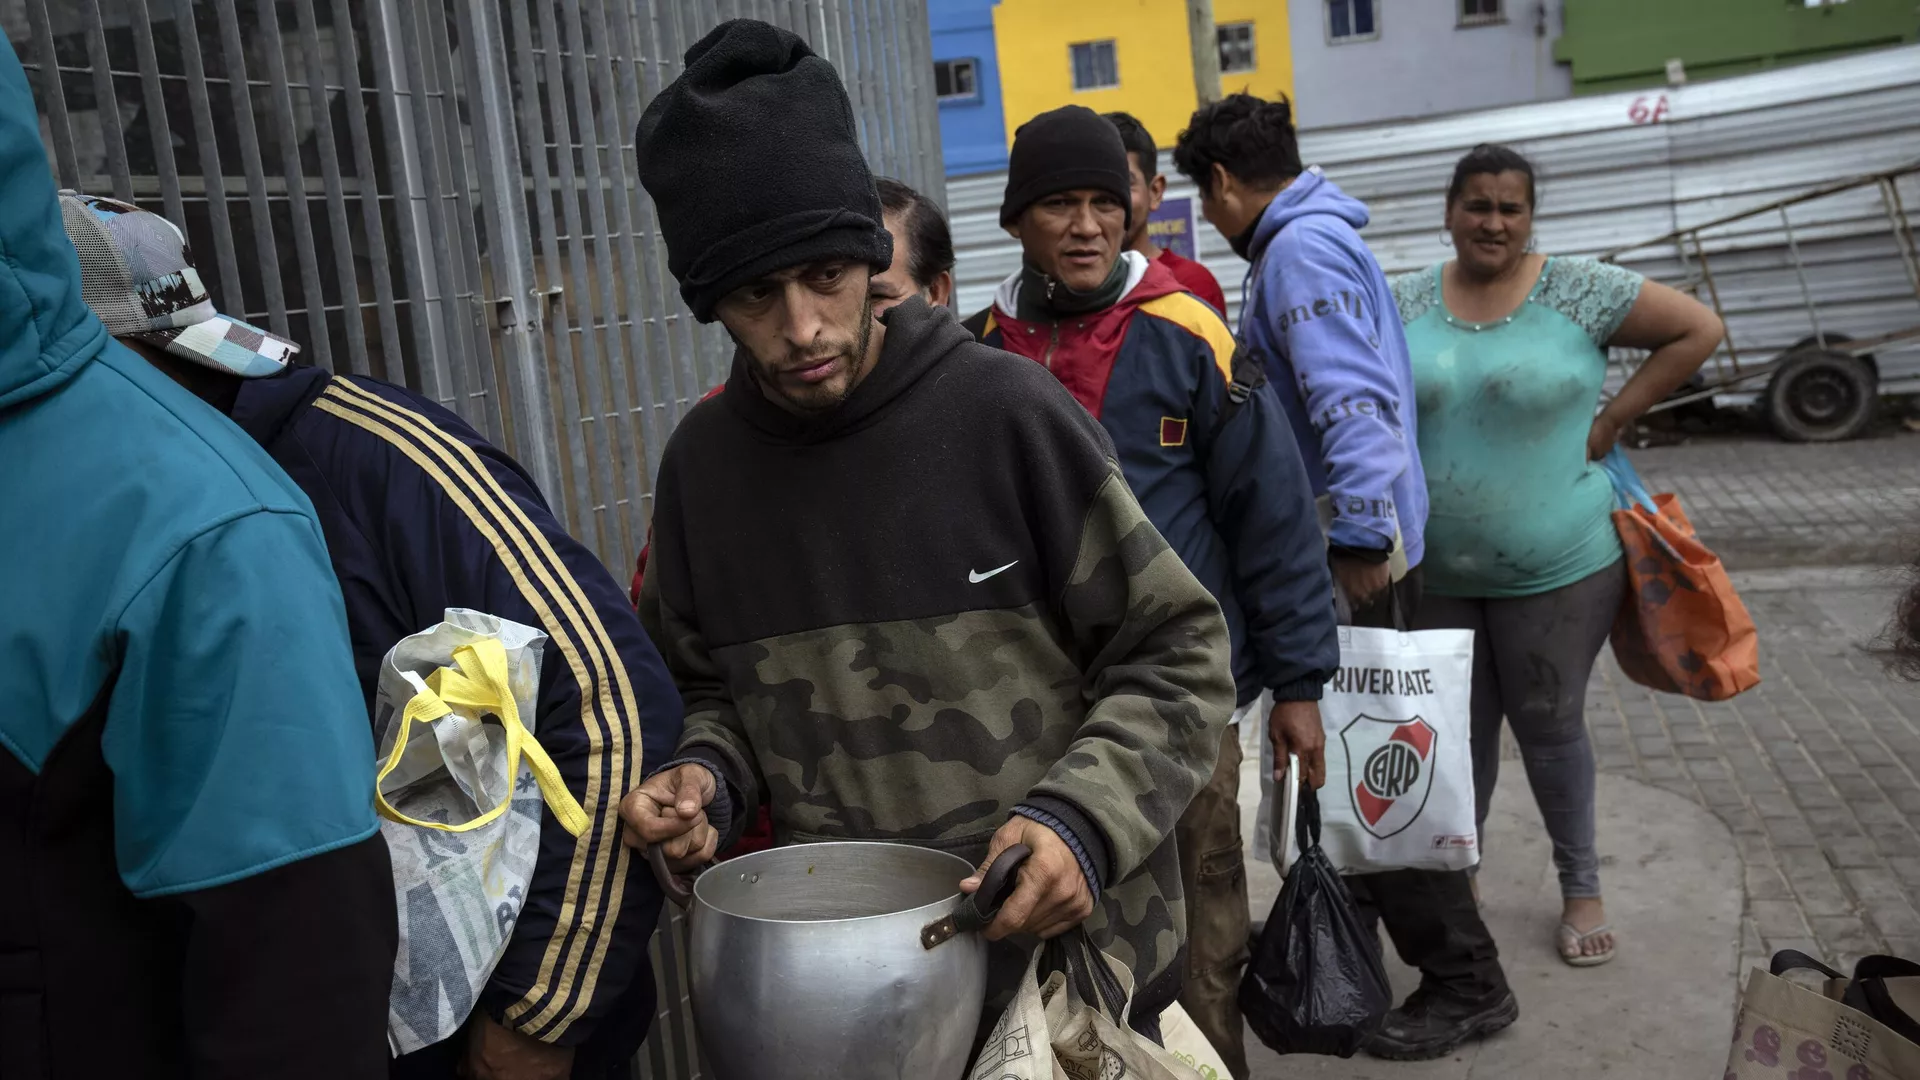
{"type": "Point", "coordinates": [1434, 1025]}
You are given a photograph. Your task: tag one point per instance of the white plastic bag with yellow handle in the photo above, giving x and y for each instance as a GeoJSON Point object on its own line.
{"type": "Point", "coordinates": [459, 789]}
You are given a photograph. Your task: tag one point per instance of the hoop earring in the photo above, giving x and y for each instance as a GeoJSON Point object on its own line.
{"type": "Point", "coordinates": [1446, 238]}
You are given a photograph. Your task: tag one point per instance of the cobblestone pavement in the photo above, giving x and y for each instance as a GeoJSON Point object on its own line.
{"type": "Point", "coordinates": [1765, 503]}
{"type": "Point", "coordinates": [1814, 770]}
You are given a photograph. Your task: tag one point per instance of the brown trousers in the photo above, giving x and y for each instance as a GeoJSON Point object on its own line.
{"type": "Point", "coordinates": [1213, 874]}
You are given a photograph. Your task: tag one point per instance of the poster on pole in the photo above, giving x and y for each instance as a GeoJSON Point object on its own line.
{"type": "Point", "coordinates": [1172, 226]}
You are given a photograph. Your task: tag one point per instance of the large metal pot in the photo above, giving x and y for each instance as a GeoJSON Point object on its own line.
{"type": "Point", "coordinates": [839, 961]}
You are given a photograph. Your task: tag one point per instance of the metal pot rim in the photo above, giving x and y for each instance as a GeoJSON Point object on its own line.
{"type": "Point", "coordinates": [936, 907]}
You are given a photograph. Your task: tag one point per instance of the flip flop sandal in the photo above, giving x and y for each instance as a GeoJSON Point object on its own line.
{"type": "Point", "coordinates": [1569, 936]}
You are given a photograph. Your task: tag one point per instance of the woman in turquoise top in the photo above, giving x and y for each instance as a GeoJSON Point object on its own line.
{"type": "Point", "coordinates": [1509, 351]}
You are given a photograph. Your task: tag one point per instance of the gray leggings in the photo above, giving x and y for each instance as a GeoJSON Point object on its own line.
{"type": "Point", "coordinates": [1532, 656]}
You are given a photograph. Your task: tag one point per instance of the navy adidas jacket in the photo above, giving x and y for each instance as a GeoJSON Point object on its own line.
{"type": "Point", "coordinates": [1211, 458]}
{"type": "Point", "coordinates": [421, 514]}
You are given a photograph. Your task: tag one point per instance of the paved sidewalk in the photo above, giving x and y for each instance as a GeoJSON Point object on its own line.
{"type": "Point", "coordinates": [1809, 778]}
{"type": "Point", "coordinates": [1813, 770]}
{"type": "Point", "coordinates": [1662, 1008]}
{"type": "Point", "coordinates": [1764, 503]}
{"type": "Point", "coordinates": [1814, 776]}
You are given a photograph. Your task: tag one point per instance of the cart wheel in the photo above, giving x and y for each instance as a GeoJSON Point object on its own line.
{"type": "Point", "coordinates": [1821, 396]}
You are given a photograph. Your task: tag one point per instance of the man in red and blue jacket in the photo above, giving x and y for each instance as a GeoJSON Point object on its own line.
{"type": "Point", "coordinates": [1204, 444]}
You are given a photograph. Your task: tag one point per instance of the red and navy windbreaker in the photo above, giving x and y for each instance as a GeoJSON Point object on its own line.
{"type": "Point", "coordinates": [1211, 459]}
{"type": "Point", "coordinates": [422, 514]}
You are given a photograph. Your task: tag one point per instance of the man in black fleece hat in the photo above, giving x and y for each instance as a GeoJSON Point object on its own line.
{"type": "Point", "coordinates": [739, 196]}
{"type": "Point", "coordinates": [900, 582]}
{"type": "Point", "coordinates": [1207, 449]}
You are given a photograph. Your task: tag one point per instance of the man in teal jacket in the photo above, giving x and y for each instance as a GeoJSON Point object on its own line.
{"type": "Point", "coordinates": [191, 881]}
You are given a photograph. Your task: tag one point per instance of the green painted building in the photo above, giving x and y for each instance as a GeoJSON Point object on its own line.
{"type": "Point", "coordinates": [1626, 44]}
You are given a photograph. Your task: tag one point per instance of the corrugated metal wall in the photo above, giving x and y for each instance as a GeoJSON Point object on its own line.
{"type": "Point", "coordinates": [1710, 150]}
{"type": "Point", "coordinates": [444, 193]}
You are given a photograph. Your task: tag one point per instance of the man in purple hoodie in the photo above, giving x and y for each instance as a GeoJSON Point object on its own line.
{"type": "Point", "coordinates": [1320, 314]}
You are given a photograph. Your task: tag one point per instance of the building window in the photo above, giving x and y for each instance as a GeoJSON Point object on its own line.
{"type": "Point", "coordinates": [1481, 12]}
{"type": "Point", "coordinates": [955, 80]}
{"type": "Point", "coordinates": [1095, 67]}
{"type": "Point", "coordinates": [1351, 20]}
{"type": "Point", "coordinates": [1236, 47]}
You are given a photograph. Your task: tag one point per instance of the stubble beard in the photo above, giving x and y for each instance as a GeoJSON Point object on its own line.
{"type": "Point", "coordinates": [820, 399]}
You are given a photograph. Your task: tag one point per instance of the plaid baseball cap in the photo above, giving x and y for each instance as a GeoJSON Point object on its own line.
{"type": "Point", "coordinates": [137, 274]}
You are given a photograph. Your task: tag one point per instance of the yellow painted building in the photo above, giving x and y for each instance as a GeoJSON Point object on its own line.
{"type": "Point", "coordinates": [1131, 55]}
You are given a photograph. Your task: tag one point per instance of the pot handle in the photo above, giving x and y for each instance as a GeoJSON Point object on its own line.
{"type": "Point", "coordinates": [969, 916]}
{"type": "Point", "coordinates": [678, 887]}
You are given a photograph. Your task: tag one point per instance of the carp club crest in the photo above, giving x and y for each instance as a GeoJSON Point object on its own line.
{"type": "Point", "coordinates": [1389, 770]}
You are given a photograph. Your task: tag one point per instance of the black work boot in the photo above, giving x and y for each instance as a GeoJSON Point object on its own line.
{"type": "Point", "coordinates": [1434, 1024]}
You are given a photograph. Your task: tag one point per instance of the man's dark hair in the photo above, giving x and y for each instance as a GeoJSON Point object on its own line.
{"type": "Point", "coordinates": [1133, 136]}
{"type": "Point", "coordinates": [1250, 138]}
{"type": "Point", "coordinates": [929, 243]}
{"type": "Point", "coordinates": [1491, 159]}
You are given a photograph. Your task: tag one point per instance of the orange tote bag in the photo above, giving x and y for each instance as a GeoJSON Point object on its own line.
{"type": "Point", "coordinates": [1681, 627]}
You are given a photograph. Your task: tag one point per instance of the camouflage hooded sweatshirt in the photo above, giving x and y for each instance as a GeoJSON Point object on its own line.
{"type": "Point", "coordinates": [904, 618]}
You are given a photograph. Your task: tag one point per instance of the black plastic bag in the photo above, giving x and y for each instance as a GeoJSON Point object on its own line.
{"type": "Point", "coordinates": [1315, 984]}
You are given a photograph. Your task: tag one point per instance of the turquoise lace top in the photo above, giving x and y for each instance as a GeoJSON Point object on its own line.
{"type": "Point", "coordinates": [1504, 411]}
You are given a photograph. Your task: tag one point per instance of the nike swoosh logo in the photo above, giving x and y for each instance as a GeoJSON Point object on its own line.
{"type": "Point", "coordinates": [976, 577]}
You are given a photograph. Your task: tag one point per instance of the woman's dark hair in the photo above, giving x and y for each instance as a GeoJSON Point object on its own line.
{"type": "Point", "coordinates": [929, 241]}
{"type": "Point", "coordinates": [1250, 138]}
{"type": "Point", "coordinates": [1898, 645]}
{"type": "Point", "coordinates": [1133, 136]}
{"type": "Point", "coordinates": [1491, 159]}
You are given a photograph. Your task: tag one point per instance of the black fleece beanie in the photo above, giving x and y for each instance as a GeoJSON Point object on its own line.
{"type": "Point", "coordinates": [753, 166]}
{"type": "Point", "coordinates": [1069, 148]}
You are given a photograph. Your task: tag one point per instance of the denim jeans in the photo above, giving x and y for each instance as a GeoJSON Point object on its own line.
{"type": "Point", "coordinates": [1532, 657]}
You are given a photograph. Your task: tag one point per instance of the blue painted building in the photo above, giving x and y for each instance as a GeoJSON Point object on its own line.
{"type": "Point", "coordinates": [973, 130]}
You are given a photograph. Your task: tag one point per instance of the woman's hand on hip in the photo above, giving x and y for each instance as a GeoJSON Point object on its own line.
{"type": "Point", "coordinates": [1602, 436]}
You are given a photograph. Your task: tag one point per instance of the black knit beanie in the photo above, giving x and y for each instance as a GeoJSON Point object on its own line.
{"type": "Point", "coordinates": [753, 166]}
{"type": "Point", "coordinates": [1069, 148]}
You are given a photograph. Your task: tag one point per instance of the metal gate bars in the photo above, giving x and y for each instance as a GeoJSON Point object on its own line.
{"type": "Point", "coordinates": [444, 193]}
